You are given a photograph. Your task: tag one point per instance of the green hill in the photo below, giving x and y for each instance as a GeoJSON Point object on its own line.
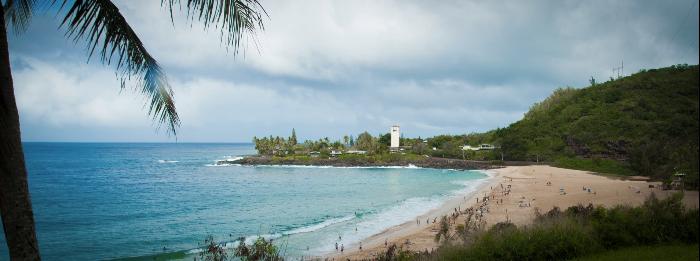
{"type": "Point", "coordinates": [644, 124]}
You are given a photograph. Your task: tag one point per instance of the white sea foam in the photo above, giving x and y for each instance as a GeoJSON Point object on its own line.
{"type": "Point", "coordinates": [318, 226]}
{"type": "Point", "coordinates": [227, 161]}
{"type": "Point", "coordinates": [230, 159]}
{"type": "Point", "coordinates": [168, 161]}
{"type": "Point", "coordinates": [305, 229]}
{"type": "Point", "coordinates": [396, 215]}
{"type": "Point", "coordinates": [470, 188]}
{"type": "Point", "coordinates": [407, 211]}
{"type": "Point", "coordinates": [409, 166]}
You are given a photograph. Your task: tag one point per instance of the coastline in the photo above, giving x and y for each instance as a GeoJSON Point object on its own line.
{"type": "Point", "coordinates": [529, 191]}
{"type": "Point", "coordinates": [398, 161]}
{"type": "Point", "coordinates": [420, 235]}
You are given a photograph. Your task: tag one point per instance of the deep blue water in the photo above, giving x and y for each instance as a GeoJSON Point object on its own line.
{"type": "Point", "coordinates": [95, 201]}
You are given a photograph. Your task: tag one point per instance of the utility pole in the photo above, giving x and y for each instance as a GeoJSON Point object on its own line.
{"type": "Point", "coordinates": [619, 70]}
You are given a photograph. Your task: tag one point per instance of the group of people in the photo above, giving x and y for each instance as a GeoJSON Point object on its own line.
{"type": "Point", "coordinates": [342, 247]}
{"type": "Point", "coordinates": [480, 211]}
{"type": "Point", "coordinates": [590, 191]}
{"type": "Point", "coordinates": [476, 214]}
{"type": "Point", "coordinates": [427, 221]}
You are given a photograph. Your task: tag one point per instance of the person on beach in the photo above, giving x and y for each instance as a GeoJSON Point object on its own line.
{"type": "Point", "coordinates": [336, 246]}
{"type": "Point", "coordinates": [360, 246]}
{"type": "Point", "coordinates": [342, 248]}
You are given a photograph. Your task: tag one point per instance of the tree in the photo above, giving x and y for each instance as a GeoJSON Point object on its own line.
{"type": "Point", "coordinates": [108, 35]}
{"type": "Point", "coordinates": [293, 138]}
{"type": "Point", "coordinates": [337, 145]}
{"type": "Point", "coordinates": [385, 139]}
{"type": "Point", "coordinates": [419, 148]}
{"type": "Point", "coordinates": [261, 249]}
{"type": "Point", "coordinates": [365, 141]}
{"type": "Point", "coordinates": [212, 251]}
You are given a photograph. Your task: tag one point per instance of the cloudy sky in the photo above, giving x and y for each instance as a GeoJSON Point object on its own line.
{"type": "Point", "coordinates": [329, 68]}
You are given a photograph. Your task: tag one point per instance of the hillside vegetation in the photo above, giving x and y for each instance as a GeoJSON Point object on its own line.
{"type": "Point", "coordinates": [644, 124]}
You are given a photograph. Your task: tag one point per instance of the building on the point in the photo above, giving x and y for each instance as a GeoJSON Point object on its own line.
{"type": "Point", "coordinates": [395, 137]}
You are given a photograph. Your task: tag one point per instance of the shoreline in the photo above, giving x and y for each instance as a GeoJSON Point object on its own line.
{"type": "Point", "coordinates": [366, 161]}
{"type": "Point", "coordinates": [397, 234]}
{"type": "Point", "coordinates": [532, 187]}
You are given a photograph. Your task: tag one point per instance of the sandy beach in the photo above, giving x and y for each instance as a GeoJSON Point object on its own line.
{"type": "Point", "coordinates": [531, 187]}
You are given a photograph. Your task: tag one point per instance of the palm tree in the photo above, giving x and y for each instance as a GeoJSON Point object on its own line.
{"type": "Point", "coordinates": [108, 35]}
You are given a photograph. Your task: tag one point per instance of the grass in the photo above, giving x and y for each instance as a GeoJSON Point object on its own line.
{"type": "Point", "coordinates": [641, 253]}
{"type": "Point", "coordinates": [602, 166]}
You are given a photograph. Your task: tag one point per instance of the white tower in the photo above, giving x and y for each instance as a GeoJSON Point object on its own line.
{"type": "Point", "coordinates": [395, 135]}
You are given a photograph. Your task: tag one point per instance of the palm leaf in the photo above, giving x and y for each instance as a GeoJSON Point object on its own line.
{"type": "Point", "coordinates": [107, 32]}
{"type": "Point", "coordinates": [237, 19]}
{"type": "Point", "coordinates": [19, 13]}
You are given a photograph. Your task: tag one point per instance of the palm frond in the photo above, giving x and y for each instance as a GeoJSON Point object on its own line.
{"type": "Point", "coordinates": [19, 13]}
{"type": "Point", "coordinates": [236, 18]}
{"type": "Point", "coordinates": [107, 32]}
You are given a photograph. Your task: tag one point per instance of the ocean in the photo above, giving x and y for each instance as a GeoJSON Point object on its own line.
{"type": "Point", "coordinates": [146, 201]}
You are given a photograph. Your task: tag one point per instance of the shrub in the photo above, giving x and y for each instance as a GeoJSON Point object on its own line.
{"type": "Point", "coordinates": [577, 231]}
{"type": "Point", "coordinates": [212, 251]}
{"type": "Point", "coordinates": [560, 240]}
{"type": "Point", "coordinates": [260, 250]}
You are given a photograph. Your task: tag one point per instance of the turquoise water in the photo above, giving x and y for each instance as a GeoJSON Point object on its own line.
{"type": "Point", "coordinates": [96, 201]}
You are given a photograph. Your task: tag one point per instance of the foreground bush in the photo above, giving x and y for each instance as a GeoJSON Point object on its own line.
{"type": "Point", "coordinates": [640, 253]}
{"type": "Point", "coordinates": [260, 250]}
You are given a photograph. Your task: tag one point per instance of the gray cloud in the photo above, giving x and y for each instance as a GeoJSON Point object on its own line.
{"type": "Point", "coordinates": [330, 68]}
